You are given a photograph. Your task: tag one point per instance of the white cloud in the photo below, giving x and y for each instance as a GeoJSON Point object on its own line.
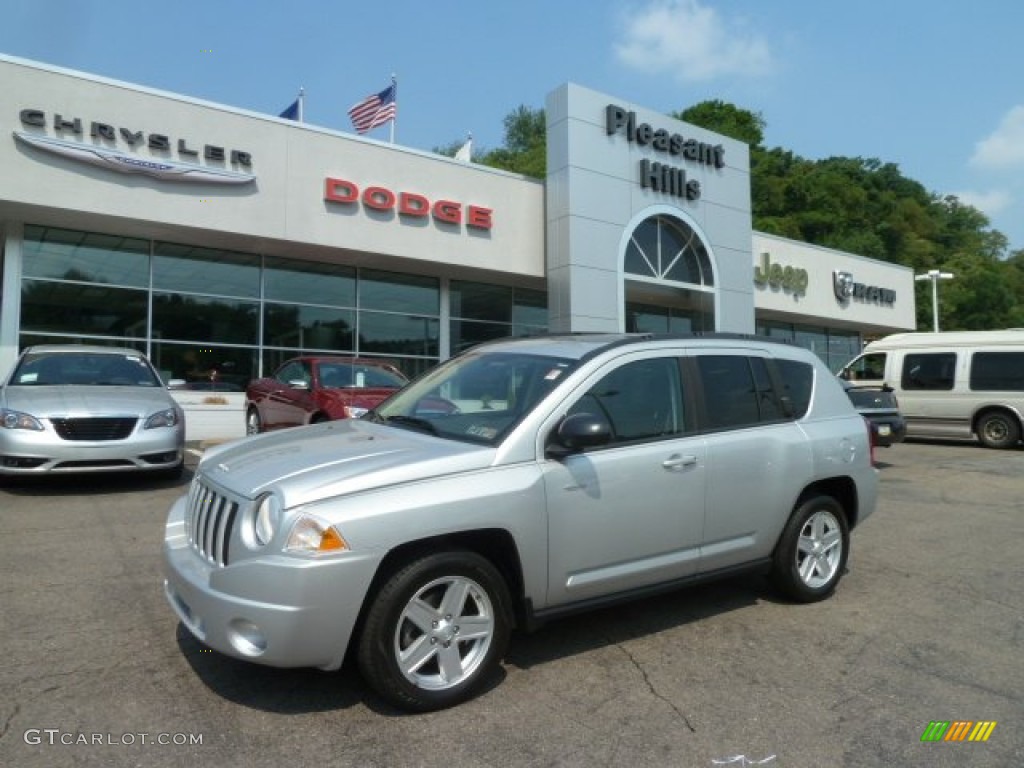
{"type": "Point", "coordinates": [991, 203]}
{"type": "Point", "coordinates": [691, 42]}
{"type": "Point", "coordinates": [1003, 149]}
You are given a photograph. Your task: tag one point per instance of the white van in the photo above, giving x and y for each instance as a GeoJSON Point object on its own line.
{"type": "Point", "coordinates": [955, 384]}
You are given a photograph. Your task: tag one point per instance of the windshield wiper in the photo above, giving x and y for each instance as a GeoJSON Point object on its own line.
{"type": "Point", "coordinates": [413, 421]}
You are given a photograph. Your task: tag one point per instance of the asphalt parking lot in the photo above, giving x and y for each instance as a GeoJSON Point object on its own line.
{"type": "Point", "coordinates": [928, 625]}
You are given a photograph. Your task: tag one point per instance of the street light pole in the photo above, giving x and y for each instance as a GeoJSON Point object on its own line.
{"type": "Point", "coordinates": [935, 275]}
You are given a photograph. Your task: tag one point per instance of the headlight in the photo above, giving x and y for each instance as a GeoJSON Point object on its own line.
{"type": "Point", "coordinates": [266, 519]}
{"type": "Point", "coordinates": [18, 420]}
{"type": "Point", "coordinates": [167, 418]}
{"type": "Point", "coordinates": [312, 536]}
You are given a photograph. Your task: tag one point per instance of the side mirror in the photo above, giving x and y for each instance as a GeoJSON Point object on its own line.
{"type": "Point", "coordinates": [176, 384]}
{"type": "Point", "coordinates": [578, 432]}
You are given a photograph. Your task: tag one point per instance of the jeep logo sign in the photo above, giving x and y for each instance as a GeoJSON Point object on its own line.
{"type": "Point", "coordinates": [789, 279]}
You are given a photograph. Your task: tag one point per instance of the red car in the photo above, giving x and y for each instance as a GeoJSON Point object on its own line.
{"type": "Point", "coordinates": [306, 390]}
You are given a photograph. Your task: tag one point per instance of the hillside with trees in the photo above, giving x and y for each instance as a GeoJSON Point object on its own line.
{"type": "Point", "coordinates": [860, 205]}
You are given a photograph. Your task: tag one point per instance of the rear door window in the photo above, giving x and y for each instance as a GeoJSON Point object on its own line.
{"type": "Point", "coordinates": [730, 395]}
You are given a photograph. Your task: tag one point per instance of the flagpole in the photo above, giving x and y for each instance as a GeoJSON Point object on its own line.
{"type": "Point", "coordinates": [394, 84]}
{"type": "Point", "coordinates": [302, 104]}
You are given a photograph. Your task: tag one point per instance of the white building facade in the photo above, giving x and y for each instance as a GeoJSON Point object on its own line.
{"type": "Point", "coordinates": [221, 242]}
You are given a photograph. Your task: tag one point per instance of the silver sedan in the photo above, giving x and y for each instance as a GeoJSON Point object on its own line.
{"type": "Point", "coordinates": [74, 408]}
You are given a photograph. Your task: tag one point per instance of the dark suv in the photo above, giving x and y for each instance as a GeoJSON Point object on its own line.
{"type": "Point", "coordinates": [879, 406]}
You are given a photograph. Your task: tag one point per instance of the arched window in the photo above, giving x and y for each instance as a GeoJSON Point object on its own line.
{"type": "Point", "coordinates": [665, 249]}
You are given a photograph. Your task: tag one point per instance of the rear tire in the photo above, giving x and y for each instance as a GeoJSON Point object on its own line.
{"type": "Point", "coordinates": [436, 631]}
{"type": "Point", "coordinates": [998, 429]}
{"type": "Point", "coordinates": [811, 555]}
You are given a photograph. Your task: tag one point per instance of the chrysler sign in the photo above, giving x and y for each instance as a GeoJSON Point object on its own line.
{"type": "Point", "coordinates": [105, 150]}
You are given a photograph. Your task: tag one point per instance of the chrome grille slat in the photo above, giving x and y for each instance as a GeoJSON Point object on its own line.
{"type": "Point", "coordinates": [210, 519]}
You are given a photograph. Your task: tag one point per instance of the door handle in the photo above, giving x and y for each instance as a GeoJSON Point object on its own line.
{"type": "Point", "coordinates": [675, 461]}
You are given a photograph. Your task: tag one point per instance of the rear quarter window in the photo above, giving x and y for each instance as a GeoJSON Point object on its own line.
{"type": "Point", "coordinates": [797, 384]}
{"type": "Point", "coordinates": [992, 371]}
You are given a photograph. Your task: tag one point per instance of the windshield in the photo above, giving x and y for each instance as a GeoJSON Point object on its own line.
{"type": "Point", "coordinates": [84, 369]}
{"type": "Point", "coordinates": [477, 397]}
{"type": "Point", "coordinates": [341, 375]}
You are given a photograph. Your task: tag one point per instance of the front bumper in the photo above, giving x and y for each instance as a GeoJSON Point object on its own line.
{"type": "Point", "coordinates": [44, 453]}
{"type": "Point", "coordinates": [274, 610]}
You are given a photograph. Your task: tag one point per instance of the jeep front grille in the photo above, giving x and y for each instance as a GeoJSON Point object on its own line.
{"type": "Point", "coordinates": [210, 518]}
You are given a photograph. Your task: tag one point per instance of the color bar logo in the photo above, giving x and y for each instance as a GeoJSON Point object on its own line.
{"type": "Point", "coordinates": [958, 730]}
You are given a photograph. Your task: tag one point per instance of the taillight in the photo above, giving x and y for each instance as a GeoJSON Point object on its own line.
{"type": "Point", "coordinates": [871, 438]}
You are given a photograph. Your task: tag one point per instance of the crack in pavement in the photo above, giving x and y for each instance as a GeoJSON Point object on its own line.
{"type": "Point", "coordinates": [650, 686]}
{"type": "Point", "coordinates": [7, 723]}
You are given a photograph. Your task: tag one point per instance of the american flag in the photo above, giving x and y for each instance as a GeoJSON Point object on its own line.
{"type": "Point", "coordinates": [375, 110]}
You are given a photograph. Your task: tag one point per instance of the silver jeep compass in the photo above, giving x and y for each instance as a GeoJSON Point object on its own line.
{"type": "Point", "coordinates": [516, 482]}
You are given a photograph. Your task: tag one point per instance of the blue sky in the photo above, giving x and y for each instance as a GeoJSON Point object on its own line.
{"type": "Point", "coordinates": [935, 87]}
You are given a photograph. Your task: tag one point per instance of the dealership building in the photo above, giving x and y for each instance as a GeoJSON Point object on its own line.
{"type": "Point", "coordinates": [221, 242]}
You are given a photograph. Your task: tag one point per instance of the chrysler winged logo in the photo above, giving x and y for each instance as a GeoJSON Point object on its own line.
{"type": "Point", "coordinates": [123, 162]}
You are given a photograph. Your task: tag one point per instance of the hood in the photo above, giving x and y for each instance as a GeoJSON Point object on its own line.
{"type": "Point", "coordinates": [307, 464]}
{"type": "Point", "coordinates": [82, 401]}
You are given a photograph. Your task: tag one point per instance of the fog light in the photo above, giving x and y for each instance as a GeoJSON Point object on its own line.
{"type": "Point", "coordinates": [246, 637]}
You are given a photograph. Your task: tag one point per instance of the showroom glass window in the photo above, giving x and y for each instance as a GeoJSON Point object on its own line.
{"type": "Point", "coordinates": [82, 285]}
{"type": "Point", "coordinates": [483, 312]}
{"type": "Point", "coordinates": [206, 314]}
{"type": "Point", "coordinates": [308, 307]}
{"type": "Point", "coordinates": [834, 347]}
{"type": "Point", "coordinates": [399, 318]}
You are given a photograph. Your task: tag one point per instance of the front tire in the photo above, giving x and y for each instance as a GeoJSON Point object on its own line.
{"type": "Point", "coordinates": [811, 555]}
{"type": "Point", "coordinates": [436, 631]}
{"type": "Point", "coordinates": [998, 429]}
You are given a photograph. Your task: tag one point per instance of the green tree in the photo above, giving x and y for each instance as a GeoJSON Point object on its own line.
{"type": "Point", "coordinates": [726, 119]}
{"type": "Point", "coordinates": [525, 148]}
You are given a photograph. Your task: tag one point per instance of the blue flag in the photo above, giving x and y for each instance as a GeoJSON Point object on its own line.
{"type": "Point", "coordinates": [292, 111]}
